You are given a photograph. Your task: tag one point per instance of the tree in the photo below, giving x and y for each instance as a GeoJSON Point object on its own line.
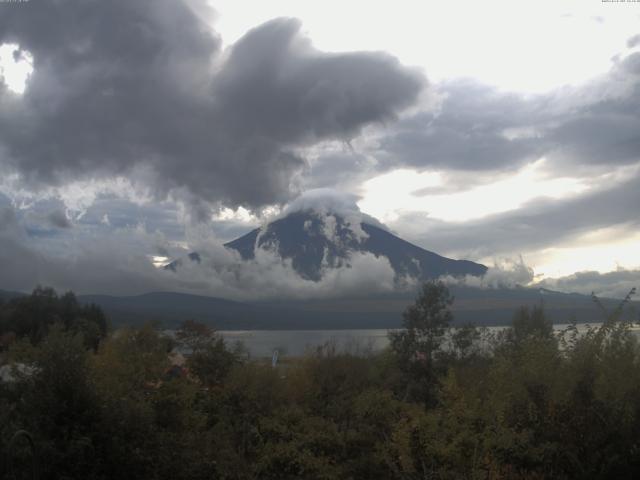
{"type": "Point", "coordinates": [209, 358]}
{"type": "Point", "coordinates": [464, 339]}
{"type": "Point", "coordinates": [425, 323]}
{"type": "Point", "coordinates": [418, 344]}
{"type": "Point", "coordinates": [194, 335]}
{"type": "Point", "coordinates": [531, 323]}
{"type": "Point", "coordinates": [59, 406]}
{"type": "Point", "coordinates": [33, 316]}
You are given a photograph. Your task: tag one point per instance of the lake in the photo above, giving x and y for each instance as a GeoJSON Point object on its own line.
{"type": "Point", "coordinates": [262, 343]}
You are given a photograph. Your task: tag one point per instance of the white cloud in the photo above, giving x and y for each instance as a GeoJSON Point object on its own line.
{"type": "Point", "coordinates": [505, 273]}
{"type": "Point", "coordinates": [328, 201]}
{"type": "Point", "coordinates": [221, 272]}
{"type": "Point", "coordinates": [15, 67]}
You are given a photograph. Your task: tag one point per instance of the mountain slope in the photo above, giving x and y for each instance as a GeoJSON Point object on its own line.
{"type": "Point", "coordinates": [316, 240]}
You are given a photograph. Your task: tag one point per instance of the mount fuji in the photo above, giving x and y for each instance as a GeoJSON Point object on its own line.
{"type": "Point", "coordinates": [314, 240]}
{"type": "Point", "coordinates": [323, 231]}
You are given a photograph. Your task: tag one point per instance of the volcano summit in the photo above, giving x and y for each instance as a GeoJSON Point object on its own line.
{"type": "Point", "coordinates": [314, 240]}
{"type": "Point", "coordinates": [323, 230]}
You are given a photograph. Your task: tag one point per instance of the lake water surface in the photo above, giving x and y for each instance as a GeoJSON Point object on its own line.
{"type": "Point", "coordinates": [262, 343]}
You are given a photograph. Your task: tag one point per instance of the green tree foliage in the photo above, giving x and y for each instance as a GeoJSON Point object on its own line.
{"type": "Point", "coordinates": [418, 345]}
{"type": "Point", "coordinates": [465, 342]}
{"type": "Point", "coordinates": [59, 405]}
{"type": "Point", "coordinates": [209, 359]}
{"type": "Point", "coordinates": [439, 403]}
{"type": "Point", "coordinates": [33, 316]}
{"type": "Point", "coordinates": [530, 323]}
{"type": "Point", "coordinates": [425, 323]}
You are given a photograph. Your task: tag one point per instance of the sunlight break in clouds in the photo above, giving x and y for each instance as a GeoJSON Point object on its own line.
{"type": "Point", "coordinates": [390, 194]}
{"type": "Point", "coordinates": [604, 250]}
{"type": "Point", "coordinates": [15, 67]}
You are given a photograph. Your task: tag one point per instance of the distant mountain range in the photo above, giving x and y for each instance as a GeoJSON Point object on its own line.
{"type": "Point", "coordinates": [472, 305]}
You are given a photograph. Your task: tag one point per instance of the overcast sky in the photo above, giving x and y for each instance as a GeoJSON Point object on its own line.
{"type": "Point", "coordinates": [493, 131]}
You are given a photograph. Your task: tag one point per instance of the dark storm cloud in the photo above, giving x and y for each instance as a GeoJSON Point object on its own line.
{"type": "Point", "coordinates": [59, 219]}
{"type": "Point", "coordinates": [468, 132]}
{"type": "Point", "coordinates": [607, 137]}
{"type": "Point", "coordinates": [111, 82]}
{"type": "Point", "coordinates": [275, 84]}
{"type": "Point", "coordinates": [604, 129]}
{"type": "Point", "coordinates": [478, 127]}
{"type": "Point", "coordinates": [120, 84]}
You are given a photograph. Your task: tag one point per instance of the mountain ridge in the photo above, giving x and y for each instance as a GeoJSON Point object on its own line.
{"type": "Point", "coordinates": [488, 307]}
{"type": "Point", "coordinates": [315, 240]}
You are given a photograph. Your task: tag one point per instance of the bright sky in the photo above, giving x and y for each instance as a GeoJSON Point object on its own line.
{"type": "Point", "coordinates": [526, 46]}
{"type": "Point", "coordinates": [603, 250]}
{"type": "Point", "coordinates": [15, 72]}
{"type": "Point", "coordinates": [389, 195]}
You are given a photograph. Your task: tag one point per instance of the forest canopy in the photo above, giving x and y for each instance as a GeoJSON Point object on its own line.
{"type": "Point", "coordinates": [528, 402]}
